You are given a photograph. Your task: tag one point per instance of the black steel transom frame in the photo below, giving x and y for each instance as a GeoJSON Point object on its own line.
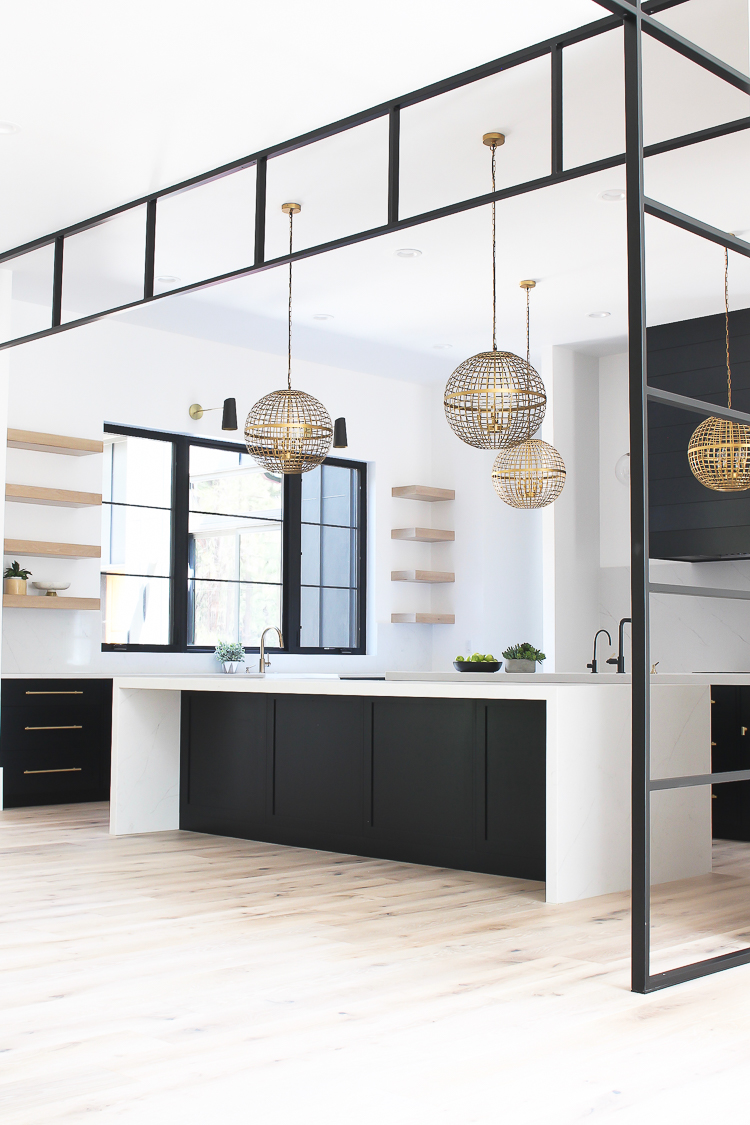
{"type": "Point", "coordinates": [291, 531]}
{"type": "Point", "coordinates": [636, 18]}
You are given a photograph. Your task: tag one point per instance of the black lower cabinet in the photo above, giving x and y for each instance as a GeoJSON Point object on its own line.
{"type": "Point", "coordinates": [451, 783]}
{"type": "Point", "coordinates": [730, 750]}
{"type": "Point", "coordinates": [55, 741]}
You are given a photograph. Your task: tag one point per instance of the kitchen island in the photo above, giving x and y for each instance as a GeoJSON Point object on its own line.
{"type": "Point", "coordinates": [522, 776]}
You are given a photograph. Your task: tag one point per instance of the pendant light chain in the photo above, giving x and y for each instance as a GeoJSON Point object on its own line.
{"type": "Point", "coordinates": [726, 323]}
{"type": "Point", "coordinates": [289, 339]}
{"type": "Point", "coordinates": [494, 256]}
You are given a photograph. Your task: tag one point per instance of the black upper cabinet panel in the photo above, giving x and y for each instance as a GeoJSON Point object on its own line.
{"type": "Point", "coordinates": [689, 521]}
{"type": "Point", "coordinates": [318, 761]}
{"type": "Point", "coordinates": [422, 776]}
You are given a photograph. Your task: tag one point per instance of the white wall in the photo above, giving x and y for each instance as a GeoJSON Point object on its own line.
{"type": "Point", "coordinates": [124, 373]}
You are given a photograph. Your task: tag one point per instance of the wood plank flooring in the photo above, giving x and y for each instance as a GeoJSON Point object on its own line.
{"type": "Point", "coordinates": [181, 978]}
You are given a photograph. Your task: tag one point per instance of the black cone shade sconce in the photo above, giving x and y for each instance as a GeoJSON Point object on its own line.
{"type": "Point", "coordinates": [228, 415]}
{"type": "Point", "coordinates": [339, 434]}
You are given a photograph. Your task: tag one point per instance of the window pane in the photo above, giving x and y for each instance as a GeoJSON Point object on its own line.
{"type": "Point", "coordinates": [260, 554]}
{"type": "Point", "coordinates": [310, 617]}
{"type": "Point", "coordinates": [228, 548]}
{"type": "Point", "coordinates": [338, 548]}
{"type": "Point", "coordinates": [137, 471]}
{"type": "Point", "coordinates": [136, 540]}
{"type": "Point", "coordinates": [136, 610]}
{"type": "Point", "coordinates": [311, 483]}
{"type": "Point", "coordinates": [229, 611]}
{"type": "Point", "coordinates": [226, 480]}
{"type": "Point", "coordinates": [310, 561]}
{"type": "Point", "coordinates": [336, 631]}
{"type": "Point", "coordinates": [337, 494]}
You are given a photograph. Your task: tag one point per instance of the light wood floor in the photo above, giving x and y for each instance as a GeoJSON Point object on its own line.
{"type": "Point", "coordinates": [180, 978]}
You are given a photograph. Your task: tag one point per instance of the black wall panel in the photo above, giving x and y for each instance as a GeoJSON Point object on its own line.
{"type": "Point", "coordinates": [687, 520]}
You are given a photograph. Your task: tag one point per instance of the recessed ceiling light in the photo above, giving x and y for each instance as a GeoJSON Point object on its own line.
{"type": "Point", "coordinates": [167, 279]}
{"type": "Point", "coordinates": [613, 195]}
{"type": "Point", "coordinates": [408, 252]}
{"type": "Point", "coordinates": [322, 316]}
{"type": "Point", "coordinates": [599, 315]}
{"type": "Point", "coordinates": [9, 127]}
{"type": "Point", "coordinates": [440, 347]}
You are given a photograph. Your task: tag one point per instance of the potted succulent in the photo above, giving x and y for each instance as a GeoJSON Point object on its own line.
{"type": "Point", "coordinates": [231, 654]}
{"type": "Point", "coordinates": [522, 658]}
{"type": "Point", "coordinates": [14, 579]}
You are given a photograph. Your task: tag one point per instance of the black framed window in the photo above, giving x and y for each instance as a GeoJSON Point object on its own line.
{"type": "Point", "coordinates": [203, 544]}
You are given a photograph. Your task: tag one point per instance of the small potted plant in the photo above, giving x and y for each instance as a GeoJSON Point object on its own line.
{"type": "Point", "coordinates": [14, 579]}
{"type": "Point", "coordinates": [522, 658]}
{"type": "Point", "coordinates": [231, 654]}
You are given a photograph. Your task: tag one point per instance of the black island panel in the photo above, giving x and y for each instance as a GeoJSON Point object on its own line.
{"type": "Point", "coordinates": [446, 782]}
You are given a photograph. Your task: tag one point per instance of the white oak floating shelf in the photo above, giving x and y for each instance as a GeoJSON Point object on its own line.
{"type": "Point", "coordinates": [53, 443]}
{"type": "Point", "coordinates": [423, 535]}
{"type": "Point", "coordinates": [423, 492]}
{"type": "Point", "coordinates": [422, 576]}
{"type": "Point", "coordinates": [54, 497]}
{"type": "Point", "coordinates": [27, 601]}
{"type": "Point", "coordinates": [33, 549]}
{"type": "Point", "coordinates": [423, 619]}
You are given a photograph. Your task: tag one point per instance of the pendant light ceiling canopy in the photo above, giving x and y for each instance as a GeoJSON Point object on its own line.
{"type": "Point", "coordinates": [495, 399]}
{"type": "Point", "coordinates": [719, 449]}
{"type": "Point", "coordinates": [289, 431]}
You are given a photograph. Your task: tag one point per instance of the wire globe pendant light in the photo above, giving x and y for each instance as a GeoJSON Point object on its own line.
{"type": "Point", "coordinates": [532, 474]}
{"type": "Point", "coordinates": [494, 399]}
{"type": "Point", "coordinates": [719, 450]}
{"type": "Point", "coordinates": [289, 431]}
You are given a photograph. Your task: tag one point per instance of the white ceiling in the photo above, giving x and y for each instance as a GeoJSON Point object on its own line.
{"type": "Point", "coordinates": [194, 94]}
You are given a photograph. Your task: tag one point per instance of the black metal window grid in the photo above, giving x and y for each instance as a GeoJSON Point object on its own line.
{"type": "Point", "coordinates": [637, 19]}
{"type": "Point", "coordinates": [181, 574]}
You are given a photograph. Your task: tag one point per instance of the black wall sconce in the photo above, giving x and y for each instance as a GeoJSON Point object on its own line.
{"type": "Point", "coordinates": [339, 434]}
{"type": "Point", "coordinates": [228, 417]}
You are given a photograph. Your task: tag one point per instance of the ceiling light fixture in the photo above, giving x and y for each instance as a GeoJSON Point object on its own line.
{"type": "Point", "coordinates": [532, 474]}
{"type": "Point", "coordinates": [322, 316]}
{"type": "Point", "coordinates": [494, 399]}
{"type": "Point", "coordinates": [719, 450]}
{"type": "Point", "coordinates": [7, 127]}
{"type": "Point", "coordinates": [168, 279]}
{"type": "Point", "coordinates": [613, 195]}
{"type": "Point", "coordinates": [442, 347]}
{"type": "Point", "coordinates": [289, 431]}
{"type": "Point", "coordinates": [408, 252]}
{"type": "Point", "coordinates": [599, 315]}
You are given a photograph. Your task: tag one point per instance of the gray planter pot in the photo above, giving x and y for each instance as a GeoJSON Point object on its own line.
{"type": "Point", "coordinates": [520, 665]}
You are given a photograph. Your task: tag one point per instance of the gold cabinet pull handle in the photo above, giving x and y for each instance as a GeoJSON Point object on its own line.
{"type": "Point", "coordinates": [713, 743]}
{"type": "Point", "coordinates": [743, 730]}
{"type": "Point", "coordinates": [73, 726]}
{"type": "Point", "coordinates": [67, 769]}
{"type": "Point", "coordinates": [54, 693]}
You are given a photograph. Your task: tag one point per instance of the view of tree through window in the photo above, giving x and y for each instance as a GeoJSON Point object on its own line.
{"type": "Point", "coordinates": [235, 547]}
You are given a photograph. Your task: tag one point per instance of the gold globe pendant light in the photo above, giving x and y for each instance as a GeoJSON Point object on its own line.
{"type": "Point", "coordinates": [289, 431]}
{"type": "Point", "coordinates": [494, 399]}
{"type": "Point", "coordinates": [719, 450]}
{"type": "Point", "coordinates": [532, 474]}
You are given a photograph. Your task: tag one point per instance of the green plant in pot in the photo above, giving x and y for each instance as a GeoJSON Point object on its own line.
{"type": "Point", "coordinates": [522, 658]}
{"type": "Point", "coordinates": [14, 579]}
{"type": "Point", "coordinates": [231, 654]}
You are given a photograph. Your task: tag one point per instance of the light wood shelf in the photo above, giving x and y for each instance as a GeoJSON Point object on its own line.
{"type": "Point", "coordinates": [53, 443]}
{"type": "Point", "coordinates": [423, 492]}
{"type": "Point", "coordinates": [423, 535]}
{"type": "Point", "coordinates": [27, 601]}
{"type": "Point", "coordinates": [55, 497]}
{"type": "Point", "coordinates": [422, 576]}
{"type": "Point", "coordinates": [32, 548]}
{"type": "Point", "coordinates": [423, 619]}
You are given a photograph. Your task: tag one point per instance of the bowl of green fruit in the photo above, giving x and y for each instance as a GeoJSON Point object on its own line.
{"type": "Point", "coordinates": [479, 662]}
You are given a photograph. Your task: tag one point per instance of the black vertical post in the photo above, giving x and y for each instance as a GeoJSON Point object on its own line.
{"type": "Point", "coordinates": [639, 566]}
{"type": "Point", "coordinates": [180, 541]}
{"type": "Point", "coordinates": [57, 282]}
{"type": "Point", "coordinates": [260, 211]}
{"type": "Point", "coordinates": [394, 150]}
{"type": "Point", "coordinates": [148, 269]}
{"type": "Point", "coordinates": [556, 101]}
{"type": "Point", "coordinates": [292, 560]}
